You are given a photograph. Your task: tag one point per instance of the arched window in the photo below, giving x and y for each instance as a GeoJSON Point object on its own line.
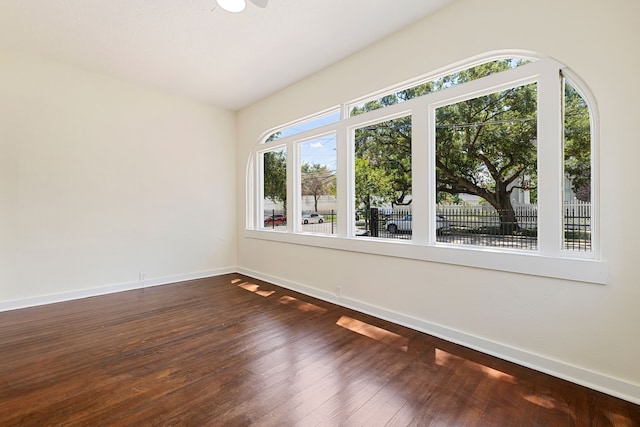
{"type": "Point", "coordinates": [495, 153]}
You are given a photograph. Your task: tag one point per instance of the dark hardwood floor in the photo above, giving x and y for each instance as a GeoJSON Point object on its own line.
{"type": "Point", "coordinates": [233, 351]}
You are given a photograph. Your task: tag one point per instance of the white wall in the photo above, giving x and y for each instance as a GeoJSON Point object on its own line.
{"type": "Point", "coordinates": [584, 332]}
{"type": "Point", "coordinates": [101, 180]}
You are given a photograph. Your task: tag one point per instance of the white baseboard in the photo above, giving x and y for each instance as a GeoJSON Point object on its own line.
{"type": "Point", "coordinates": [110, 289]}
{"type": "Point", "coordinates": [593, 380]}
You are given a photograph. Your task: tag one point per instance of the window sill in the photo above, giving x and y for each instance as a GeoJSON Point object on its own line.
{"type": "Point", "coordinates": [533, 263]}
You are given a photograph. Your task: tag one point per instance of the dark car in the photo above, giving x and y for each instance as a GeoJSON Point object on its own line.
{"type": "Point", "coordinates": [273, 220]}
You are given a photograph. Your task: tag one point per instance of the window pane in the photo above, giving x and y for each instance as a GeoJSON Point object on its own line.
{"type": "Point", "coordinates": [275, 189]}
{"type": "Point", "coordinates": [383, 178]}
{"type": "Point", "coordinates": [577, 171]}
{"type": "Point", "coordinates": [486, 170]}
{"type": "Point", "coordinates": [435, 85]}
{"type": "Point", "coordinates": [305, 125]}
{"type": "Point", "coordinates": [318, 185]}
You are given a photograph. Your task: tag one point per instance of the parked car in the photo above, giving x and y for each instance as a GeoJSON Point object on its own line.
{"type": "Point", "coordinates": [404, 224]}
{"type": "Point", "coordinates": [273, 220]}
{"type": "Point", "coordinates": [312, 218]}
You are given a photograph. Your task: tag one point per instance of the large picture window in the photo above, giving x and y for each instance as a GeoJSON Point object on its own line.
{"type": "Point", "coordinates": [486, 151]}
{"type": "Point", "coordinates": [382, 175]}
{"type": "Point", "coordinates": [497, 156]}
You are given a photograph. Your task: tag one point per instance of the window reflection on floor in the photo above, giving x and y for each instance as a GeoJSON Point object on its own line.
{"type": "Point", "coordinates": [374, 332]}
{"type": "Point", "coordinates": [252, 287]}
{"type": "Point", "coordinates": [444, 358]}
{"type": "Point", "coordinates": [301, 305]}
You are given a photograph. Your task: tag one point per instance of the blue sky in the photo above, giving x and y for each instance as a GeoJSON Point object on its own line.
{"type": "Point", "coordinates": [321, 150]}
{"type": "Point", "coordinates": [313, 123]}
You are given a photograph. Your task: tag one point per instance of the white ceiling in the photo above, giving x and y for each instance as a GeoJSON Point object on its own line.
{"type": "Point", "coordinates": [185, 47]}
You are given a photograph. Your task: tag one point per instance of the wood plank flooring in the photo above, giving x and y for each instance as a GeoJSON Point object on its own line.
{"type": "Point", "coordinates": [234, 351]}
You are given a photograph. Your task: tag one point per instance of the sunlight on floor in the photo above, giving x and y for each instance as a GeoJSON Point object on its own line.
{"type": "Point", "coordinates": [301, 305]}
{"type": "Point", "coordinates": [443, 358]}
{"type": "Point", "coordinates": [374, 332]}
{"type": "Point", "coordinates": [550, 402]}
{"type": "Point", "coordinates": [252, 287]}
{"type": "Point", "coordinates": [618, 419]}
{"type": "Point", "coordinates": [544, 401]}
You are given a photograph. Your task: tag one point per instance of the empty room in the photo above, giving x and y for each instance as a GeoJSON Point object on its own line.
{"type": "Point", "coordinates": [319, 213]}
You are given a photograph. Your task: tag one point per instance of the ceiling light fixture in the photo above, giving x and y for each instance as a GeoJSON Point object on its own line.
{"type": "Point", "coordinates": [236, 6]}
{"type": "Point", "coordinates": [232, 5]}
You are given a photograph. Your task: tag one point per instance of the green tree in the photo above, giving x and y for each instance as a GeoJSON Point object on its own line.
{"type": "Point", "coordinates": [275, 176]}
{"type": "Point", "coordinates": [386, 149]}
{"type": "Point", "coordinates": [372, 185]}
{"type": "Point", "coordinates": [387, 145]}
{"type": "Point", "coordinates": [577, 143]}
{"type": "Point", "coordinates": [449, 199]}
{"type": "Point", "coordinates": [317, 181]}
{"type": "Point", "coordinates": [487, 146]}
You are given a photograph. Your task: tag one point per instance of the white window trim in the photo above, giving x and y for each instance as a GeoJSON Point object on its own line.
{"type": "Point", "coordinates": [581, 87]}
{"type": "Point", "coordinates": [550, 260]}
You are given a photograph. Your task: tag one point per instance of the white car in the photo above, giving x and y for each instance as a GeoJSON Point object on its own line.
{"type": "Point", "coordinates": [404, 224]}
{"type": "Point", "coordinates": [312, 218]}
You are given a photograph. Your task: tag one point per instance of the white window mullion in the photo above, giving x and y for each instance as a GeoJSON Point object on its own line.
{"type": "Point", "coordinates": [250, 200]}
{"type": "Point", "coordinates": [430, 186]}
{"type": "Point", "coordinates": [344, 183]}
{"type": "Point", "coordinates": [293, 187]}
{"type": "Point", "coordinates": [259, 180]}
{"type": "Point", "coordinates": [550, 156]}
{"type": "Point", "coordinates": [423, 221]}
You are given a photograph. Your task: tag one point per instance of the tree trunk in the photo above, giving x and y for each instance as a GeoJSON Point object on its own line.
{"type": "Point", "coordinates": [508, 221]}
{"type": "Point", "coordinates": [501, 201]}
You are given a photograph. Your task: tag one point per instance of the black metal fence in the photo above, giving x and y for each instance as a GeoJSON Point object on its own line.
{"type": "Point", "coordinates": [385, 223]}
{"type": "Point", "coordinates": [577, 226]}
{"type": "Point", "coordinates": [486, 226]}
{"type": "Point", "coordinates": [477, 225]}
{"type": "Point", "coordinates": [482, 225]}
